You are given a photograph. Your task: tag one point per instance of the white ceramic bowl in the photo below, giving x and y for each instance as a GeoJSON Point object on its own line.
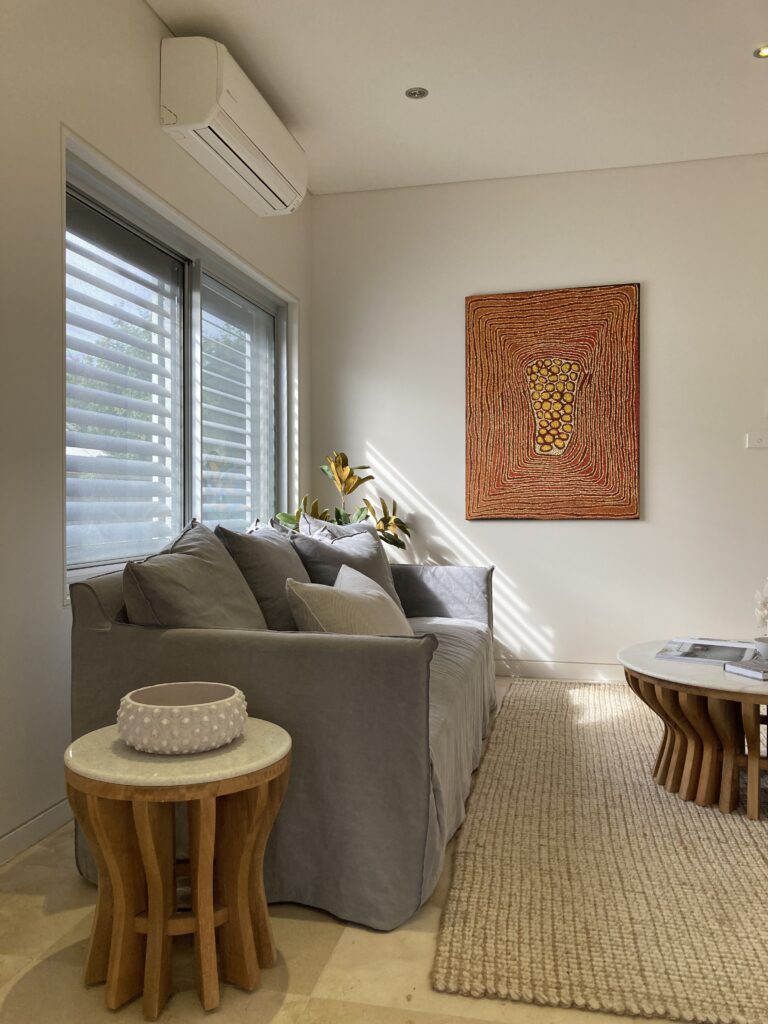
{"type": "Point", "coordinates": [182, 718]}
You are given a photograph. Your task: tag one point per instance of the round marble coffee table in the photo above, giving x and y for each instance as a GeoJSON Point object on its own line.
{"type": "Point", "coordinates": [711, 721]}
{"type": "Point", "coordinates": [124, 801]}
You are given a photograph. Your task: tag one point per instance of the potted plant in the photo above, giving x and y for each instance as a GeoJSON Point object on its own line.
{"type": "Point", "coordinates": [346, 479]}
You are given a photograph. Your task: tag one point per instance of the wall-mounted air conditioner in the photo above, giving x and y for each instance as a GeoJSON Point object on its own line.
{"type": "Point", "coordinates": [212, 109]}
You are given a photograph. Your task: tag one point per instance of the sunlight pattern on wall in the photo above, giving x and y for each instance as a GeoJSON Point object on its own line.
{"type": "Point", "coordinates": [437, 540]}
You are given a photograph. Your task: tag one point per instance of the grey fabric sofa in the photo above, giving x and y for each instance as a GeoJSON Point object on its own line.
{"type": "Point", "coordinates": [386, 730]}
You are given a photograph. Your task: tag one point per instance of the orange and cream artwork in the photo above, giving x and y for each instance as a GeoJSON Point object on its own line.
{"type": "Point", "coordinates": [553, 404]}
{"type": "Point", "coordinates": [554, 385]}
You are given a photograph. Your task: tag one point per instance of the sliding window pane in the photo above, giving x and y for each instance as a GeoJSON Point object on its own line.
{"type": "Point", "coordinates": [237, 446]}
{"type": "Point", "coordinates": [124, 317]}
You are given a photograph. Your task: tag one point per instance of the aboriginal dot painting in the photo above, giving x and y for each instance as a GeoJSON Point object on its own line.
{"type": "Point", "coordinates": [553, 404]}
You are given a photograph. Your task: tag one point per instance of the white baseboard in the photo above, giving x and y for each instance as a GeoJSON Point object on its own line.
{"type": "Point", "coordinates": [608, 673]}
{"type": "Point", "coordinates": [32, 831]}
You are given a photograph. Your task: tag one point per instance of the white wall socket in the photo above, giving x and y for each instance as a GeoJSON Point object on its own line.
{"type": "Point", "coordinates": [757, 439]}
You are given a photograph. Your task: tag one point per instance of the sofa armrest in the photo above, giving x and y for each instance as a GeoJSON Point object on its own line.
{"type": "Point", "coordinates": [333, 678]}
{"type": "Point", "coordinates": [448, 591]}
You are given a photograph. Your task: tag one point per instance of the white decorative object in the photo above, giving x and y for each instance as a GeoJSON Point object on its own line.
{"type": "Point", "coordinates": [182, 718]}
{"type": "Point", "coordinates": [761, 614]}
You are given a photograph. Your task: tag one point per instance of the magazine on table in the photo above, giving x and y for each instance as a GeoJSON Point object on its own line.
{"type": "Point", "coordinates": [757, 668]}
{"type": "Point", "coordinates": [701, 648]}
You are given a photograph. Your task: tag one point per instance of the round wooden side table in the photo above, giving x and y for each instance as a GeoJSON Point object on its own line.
{"type": "Point", "coordinates": [125, 803]}
{"type": "Point", "coordinates": [711, 726]}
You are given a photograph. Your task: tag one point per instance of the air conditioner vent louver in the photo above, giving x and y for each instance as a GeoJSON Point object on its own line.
{"type": "Point", "coordinates": [211, 108]}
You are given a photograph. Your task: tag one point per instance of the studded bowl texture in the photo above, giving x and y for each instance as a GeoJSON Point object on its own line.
{"type": "Point", "coordinates": [182, 718]}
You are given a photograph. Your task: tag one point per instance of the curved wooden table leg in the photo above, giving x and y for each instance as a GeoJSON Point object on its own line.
{"type": "Point", "coordinates": [724, 715]}
{"type": "Point", "coordinates": [647, 693]}
{"type": "Point", "coordinates": [202, 838]}
{"type": "Point", "coordinates": [157, 842]}
{"type": "Point", "coordinates": [634, 685]}
{"type": "Point", "coordinates": [695, 710]}
{"type": "Point", "coordinates": [689, 751]}
{"type": "Point", "coordinates": [237, 830]}
{"type": "Point", "coordinates": [265, 943]}
{"type": "Point", "coordinates": [115, 835]}
{"type": "Point", "coordinates": [97, 960]}
{"type": "Point", "coordinates": [750, 715]}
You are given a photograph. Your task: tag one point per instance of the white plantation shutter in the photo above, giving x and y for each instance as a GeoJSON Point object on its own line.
{"type": "Point", "coordinates": [237, 378]}
{"type": "Point", "coordinates": [124, 315]}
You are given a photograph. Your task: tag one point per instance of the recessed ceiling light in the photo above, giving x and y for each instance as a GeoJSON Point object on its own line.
{"type": "Point", "coordinates": [418, 92]}
{"type": "Point", "coordinates": [761, 51]}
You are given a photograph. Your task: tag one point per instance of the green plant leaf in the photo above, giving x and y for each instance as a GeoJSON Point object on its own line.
{"type": "Point", "coordinates": [291, 521]}
{"type": "Point", "coordinates": [392, 538]}
{"type": "Point", "coordinates": [360, 514]}
{"type": "Point", "coordinates": [328, 473]}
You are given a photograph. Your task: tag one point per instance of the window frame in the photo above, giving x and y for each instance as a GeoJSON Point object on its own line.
{"type": "Point", "coordinates": [107, 198]}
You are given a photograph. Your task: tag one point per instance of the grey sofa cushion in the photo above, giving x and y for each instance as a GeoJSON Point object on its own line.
{"type": "Point", "coordinates": [193, 582]}
{"type": "Point", "coordinates": [266, 559]}
{"type": "Point", "coordinates": [311, 526]}
{"type": "Point", "coordinates": [353, 605]}
{"type": "Point", "coordinates": [275, 524]}
{"type": "Point", "coordinates": [323, 556]}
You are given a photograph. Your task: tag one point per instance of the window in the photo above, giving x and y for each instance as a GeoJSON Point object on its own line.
{"type": "Point", "coordinates": [170, 403]}
{"type": "Point", "coordinates": [237, 377]}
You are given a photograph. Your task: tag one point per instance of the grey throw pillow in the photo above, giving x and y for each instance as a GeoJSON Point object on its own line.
{"type": "Point", "coordinates": [193, 582]}
{"type": "Point", "coordinates": [323, 556]}
{"type": "Point", "coordinates": [275, 524]}
{"type": "Point", "coordinates": [266, 559]}
{"type": "Point", "coordinates": [311, 526]}
{"type": "Point", "coordinates": [353, 605]}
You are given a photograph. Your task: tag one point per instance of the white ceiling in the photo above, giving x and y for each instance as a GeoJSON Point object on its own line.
{"type": "Point", "coordinates": [516, 86]}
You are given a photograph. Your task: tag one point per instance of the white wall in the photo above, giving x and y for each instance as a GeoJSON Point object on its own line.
{"type": "Point", "coordinates": [390, 273]}
{"type": "Point", "coordinates": [90, 68]}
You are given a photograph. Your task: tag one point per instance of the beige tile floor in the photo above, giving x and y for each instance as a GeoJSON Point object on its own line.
{"type": "Point", "coordinates": [327, 972]}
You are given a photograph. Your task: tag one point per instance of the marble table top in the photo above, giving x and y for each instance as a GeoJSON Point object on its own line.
{"type": "Point", "coordinates": [642, 658]}
{"type": "Point", "coordinates": [102, 755]}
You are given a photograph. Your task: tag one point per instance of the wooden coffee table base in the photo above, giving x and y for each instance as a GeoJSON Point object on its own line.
{"type": "Point", "coordinates": [130, 830]}
{"type": "Point", "coordinates": [707, 740]}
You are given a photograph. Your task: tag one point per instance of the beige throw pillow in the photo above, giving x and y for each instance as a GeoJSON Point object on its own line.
{"type": "Point", "coordinates": [355, 604]}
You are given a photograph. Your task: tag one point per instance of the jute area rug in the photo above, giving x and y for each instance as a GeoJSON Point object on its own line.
{"type": "Point", "coordinates": [578, 882]}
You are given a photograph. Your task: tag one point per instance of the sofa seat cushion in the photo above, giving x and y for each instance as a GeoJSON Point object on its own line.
{"type": "Point", "coordinates": [462, 698]}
